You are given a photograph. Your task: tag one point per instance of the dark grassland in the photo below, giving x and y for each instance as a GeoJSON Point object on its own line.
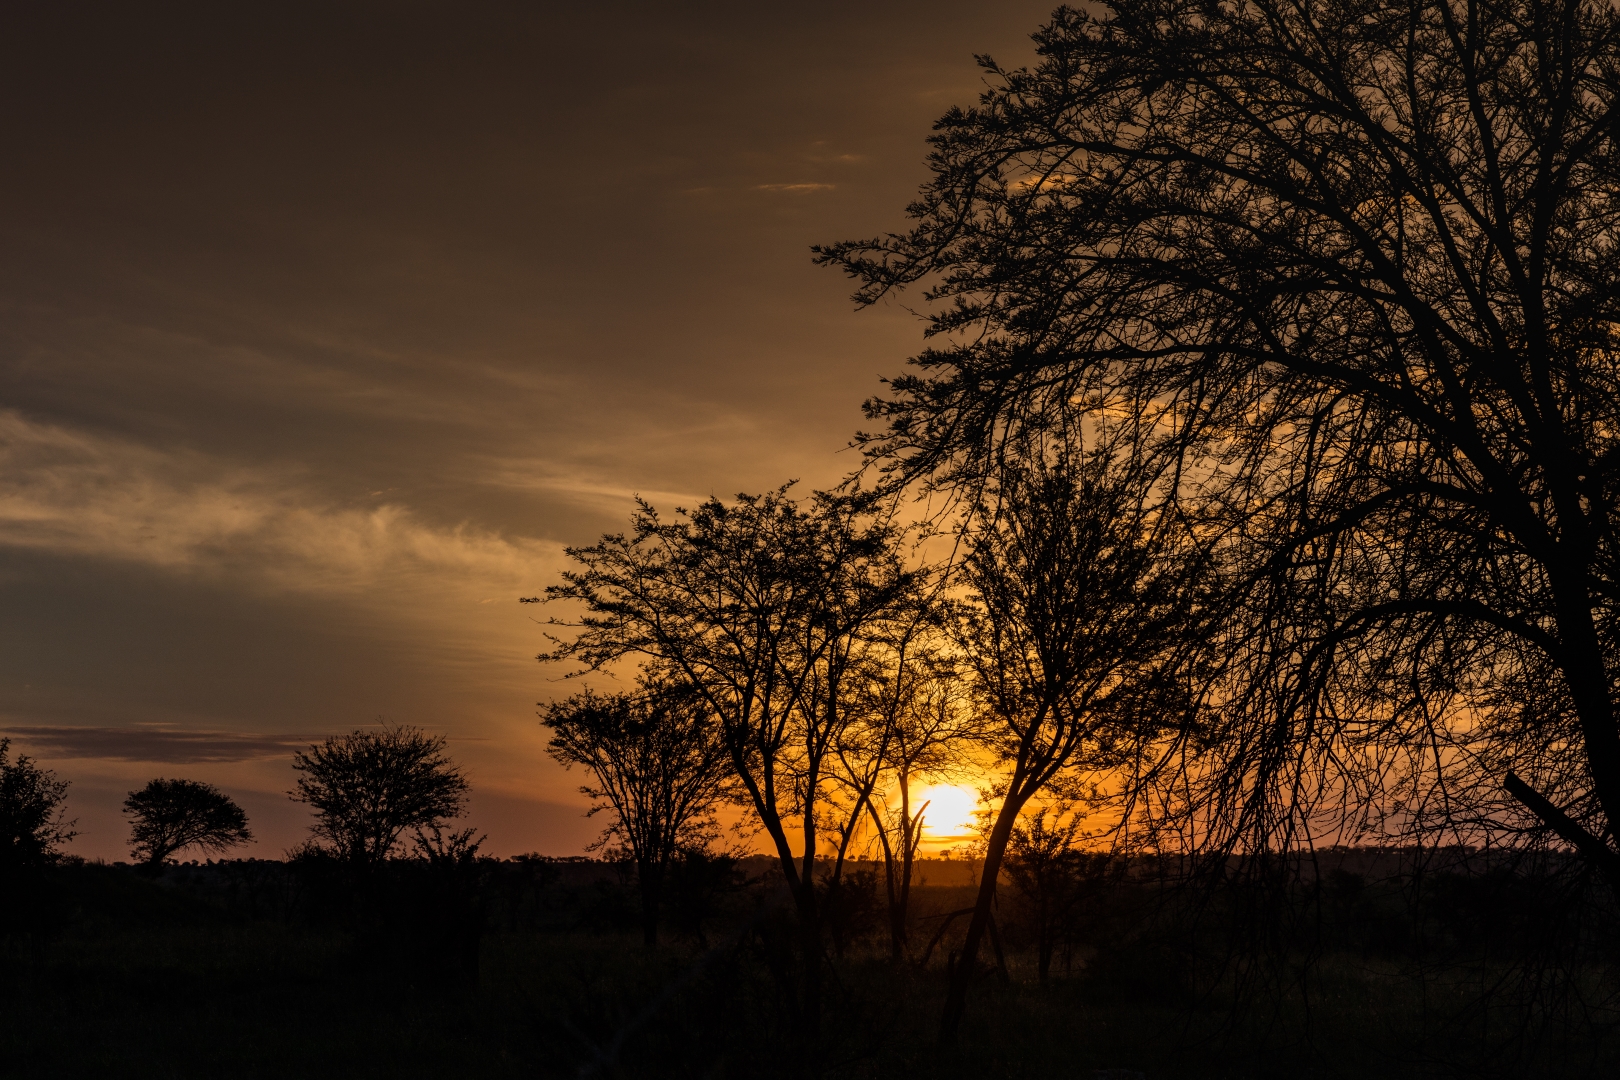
{"type": "Point", "coordinates": [535, 968]}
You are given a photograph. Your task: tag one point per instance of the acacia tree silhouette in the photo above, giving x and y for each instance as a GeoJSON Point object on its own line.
{"type": "Point", "coordinates": [167, 816]}
{"type": "Point", "coordinates": [658, 766]}
{"type": "Point", "coordinates": [764, 607]}
{"type": "Point", "coordinates": [1352, 270]}
{"type": "Point", "coordinates": [369, 786]}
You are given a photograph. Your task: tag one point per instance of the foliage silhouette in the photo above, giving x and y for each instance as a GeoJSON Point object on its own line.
{"type": "Point", "coordinates": [659, 768]}
{"type": "Point", "coordinates": [446, 887]}
{"type": "Point", "coordinates": [168, 816]}
{"type": "Point", "coordinates": [699, 879]}
{"type": "Point", "coordinates": [32, 829]}
{"type": "Point", "coordinates": [766, 609]}
{"type": "Point", "coordinates": [1349, 271]}
{"type": "Point", "coordinates": [370, 786]}
{"type": "Point", "coordinates": [1054, 879]}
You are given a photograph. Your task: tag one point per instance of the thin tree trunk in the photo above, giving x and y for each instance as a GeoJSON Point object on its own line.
{"type": "Point", "coordinates": [896, 923]}
{"type": "Point", "coordinates": [995, 850]}
{"type": "Point", "coordinates": [908, 852]}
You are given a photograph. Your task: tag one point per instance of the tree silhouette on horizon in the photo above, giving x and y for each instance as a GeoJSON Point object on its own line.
{"type": "Point", "coordinates": [168, 816]}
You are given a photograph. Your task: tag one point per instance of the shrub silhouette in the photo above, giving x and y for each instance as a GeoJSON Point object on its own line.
{"type": "Point", "coordinates": [1054, 881]}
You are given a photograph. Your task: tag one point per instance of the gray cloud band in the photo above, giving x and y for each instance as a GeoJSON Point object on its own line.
{"type": "Point", "coordinates": [144, 744]}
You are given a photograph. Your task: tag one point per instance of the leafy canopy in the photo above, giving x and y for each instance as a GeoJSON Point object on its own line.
{"type": "Point", "coordinates": [369, 786]}
{"type": "Point", "coordinates": [168, 816]}
{"type": "Point", "coordinates": [32, 829]}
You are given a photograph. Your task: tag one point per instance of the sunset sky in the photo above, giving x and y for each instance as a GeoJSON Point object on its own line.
{"type": "Point", "coordinates": [326, 327]}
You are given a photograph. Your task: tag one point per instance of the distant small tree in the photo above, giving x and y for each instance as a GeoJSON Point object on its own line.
{"type": "Point", "coordinates": [658, 764]}
{"type": "Point", "coordinates": [31, 825]}
{"type": "Point", "coordinates": [368, 787]}
{"type": "Point", "coordinates": [697, 880]}
{"type": "Point", "coordinates": [167, 816]}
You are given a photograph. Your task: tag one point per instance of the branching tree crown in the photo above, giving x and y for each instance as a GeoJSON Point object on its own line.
{"type": "Point", "coordinates": [368, 787]}
{"type": "Point", "coordinates": [763, 607]}
{"type": "Point", "coordinates": [1083, 631]}
{"type": "Point", "coordinates": [168, 816]}
{"type": "Point", "coordinates": [32, 829]}
{"type": "Point", "coordinates": [658, 766]}
{"type": "Point", "coordinates": [1353, 269]}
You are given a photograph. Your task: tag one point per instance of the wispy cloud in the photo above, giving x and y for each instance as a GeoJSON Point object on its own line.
{"type": "Point", "coordinates": [819, 155]}
{"type": "Point", "coordinates": [67, 491]}
{"type": "Point", "coordinates": [140, 743]}
{"type": "Point", "coordinates": [796, 189]}
{"type": "Point", "coordinates": [585, 488]}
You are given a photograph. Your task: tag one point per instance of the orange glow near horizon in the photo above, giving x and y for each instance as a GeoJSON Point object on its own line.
{"type": "Point", "coordinates": [949, 816]}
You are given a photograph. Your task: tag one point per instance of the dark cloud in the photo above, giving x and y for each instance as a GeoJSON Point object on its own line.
{"type": "Point", "coordinates": [174, 747]}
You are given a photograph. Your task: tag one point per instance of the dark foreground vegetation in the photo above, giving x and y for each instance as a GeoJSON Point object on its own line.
{"type": "Point", "coordinates": [536, 967]}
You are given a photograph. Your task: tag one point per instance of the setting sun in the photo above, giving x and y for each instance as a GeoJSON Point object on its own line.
{"type": "Point", "coordinates": [950, 810]}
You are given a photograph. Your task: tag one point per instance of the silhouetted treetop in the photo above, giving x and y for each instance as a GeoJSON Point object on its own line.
{"type": "Point", "coordinates": [1191, 207]}
{"type": "Point", "coordinates": [369, 786]}
{"type": "Point", "coordinates": [167, 816]}
{"type": "Point", "coordinates": [1349, 270]}
{"type": "Point", "coordinates": [32, 829]}
{"type": "Point", "coordinates": [657, 765]}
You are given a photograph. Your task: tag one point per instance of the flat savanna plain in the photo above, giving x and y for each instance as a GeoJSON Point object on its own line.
{"type": "Point", "coordinates": [266, 969]}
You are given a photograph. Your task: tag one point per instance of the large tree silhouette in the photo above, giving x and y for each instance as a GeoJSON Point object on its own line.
{"type": "Point", "coordinates": [1351, 267]}
{"type": "Point", "coordinates": [764, 607]}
